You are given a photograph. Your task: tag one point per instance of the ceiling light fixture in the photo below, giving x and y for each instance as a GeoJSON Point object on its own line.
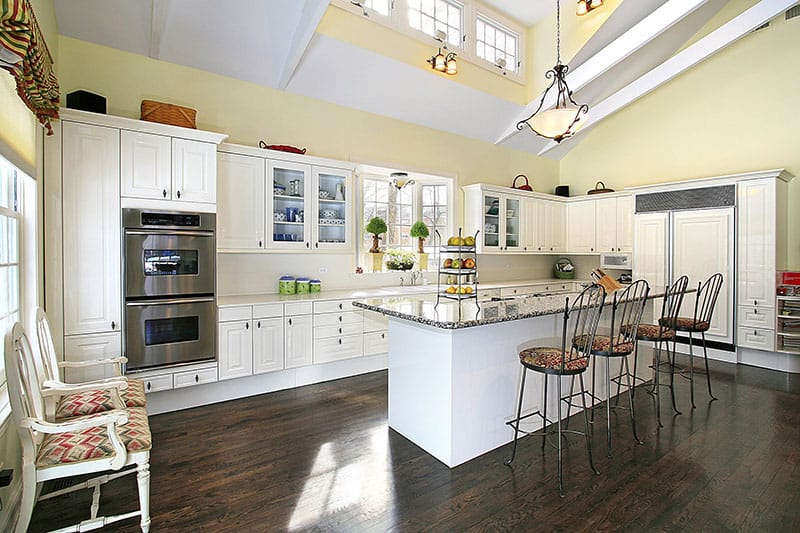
{"type": "Point", "coordinates": [400, 180]}
{"type": "Point", "coordinates": [443, 60]}
{"type": "Point", "coordinates": [584, 6]}
{"type": "Point", "coordinates": [564, 119]}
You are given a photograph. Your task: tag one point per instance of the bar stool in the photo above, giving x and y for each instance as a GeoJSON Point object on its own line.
{"type": "Point", "coordinates": [626, 316]}
{"type": "Point", "coordinates": [567, 360]}
{"type": "Point", "coordinates": [700, 322]}
{"type": "Point", "coordinates": [660, 335]}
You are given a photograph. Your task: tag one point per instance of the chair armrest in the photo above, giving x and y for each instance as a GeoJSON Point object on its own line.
{"type": "Point", "coordinates": [84, 364]}
{"type": "Point", "coordinates": [55, 388]}
{"type": "Point", "coordinates": [110, 418]}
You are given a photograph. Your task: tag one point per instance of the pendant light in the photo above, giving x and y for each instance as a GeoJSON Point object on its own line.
{"type": "Point", "coordinates": [567, 117]}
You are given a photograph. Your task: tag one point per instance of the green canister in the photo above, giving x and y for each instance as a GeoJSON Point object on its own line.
{"type": "Point", "coordinates": [303, 285]}
{"type": "Point", "coordinates": [315, 285]}
{"type": "Point", "coordinates": [287, 285]}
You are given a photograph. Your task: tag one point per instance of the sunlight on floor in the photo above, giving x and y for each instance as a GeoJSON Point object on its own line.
{"type": "Point", "coordinates": [331, 487]}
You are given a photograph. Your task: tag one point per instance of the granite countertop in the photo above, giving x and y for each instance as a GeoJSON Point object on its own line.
{"type": "Point", "coordinates": [466, 314]}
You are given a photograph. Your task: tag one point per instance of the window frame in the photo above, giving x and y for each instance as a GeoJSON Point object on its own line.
{"type": "Point", "coordinates": [501, 23]}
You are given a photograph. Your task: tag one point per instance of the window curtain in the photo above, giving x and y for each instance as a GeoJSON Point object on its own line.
{"type": "Point", "coordinates": [24, 54]}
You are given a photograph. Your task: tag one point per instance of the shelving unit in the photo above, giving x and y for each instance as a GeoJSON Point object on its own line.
{"type": "Point", "coordinates": [788, 324]}
{"type": "Point", "coordinates": [464, 280]}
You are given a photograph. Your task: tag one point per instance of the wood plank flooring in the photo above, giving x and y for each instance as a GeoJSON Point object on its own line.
{"type": "Point", "coordinates": [322, 458]}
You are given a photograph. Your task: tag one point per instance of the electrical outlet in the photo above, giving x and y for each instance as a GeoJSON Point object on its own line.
{"type": "Point", "coordinates": [508, 266]}
{"type": "Point", "coordinates": [323, 270]}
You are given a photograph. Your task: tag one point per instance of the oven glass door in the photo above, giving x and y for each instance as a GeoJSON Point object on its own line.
{"type": "Point", "coordinates": [168, 264]}
{"type": "Point", "coordinates": [168, 332]}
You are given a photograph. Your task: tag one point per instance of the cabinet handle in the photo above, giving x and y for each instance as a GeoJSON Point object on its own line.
{"type": "Point", "coordinates": [755, 302]}
{"type": "Point", "coordinates": [755, 311]}
{"type": "Point", "coordinates": [290, 321]}
{"type": "Point", "coordinates": [540, 248]}
{"type": "Point", "coordinates": [383, 335]}
{"type": "Point", "coordinates": [196, 378]}
{"type": "Point", "coordinates": [551, 249]}
{"type": "Point", "coordinates": [247, 325]}
{"type": "Point", "coordinates": [179, 194]}
{"type": "Point", "coordinates": [340, 318]}
{"type": "Point", "coordinates": [258, 324]}
{"type": "Point", "coordinates": [340, 331]}
{"type": "Point", "coordinates": [308, 245]}
{"type": "Point", "coordinates": [755, 333]}
{"type": "Point", "coordinates": [340, 307]}
{"type": "Point", "coordinates": [113, 325]}
{"type": "Point", "coordinates": [591, 249]}
{"type": "Point", "coordinates": [316, 245]}
{"type": "Point", "coordinates": [164, 193]}
{"type": "Point", "coordinates": [259, 244]}
{"type": "Point", "coordinates": [149, 385]}
{"type": "Point", "coordinates": [340, 341]}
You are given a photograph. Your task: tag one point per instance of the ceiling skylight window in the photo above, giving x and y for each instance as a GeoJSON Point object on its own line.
{"type": "Point", "coordinates": [496, 44]}
{"type": "Point", "coordinates": [430, 16]}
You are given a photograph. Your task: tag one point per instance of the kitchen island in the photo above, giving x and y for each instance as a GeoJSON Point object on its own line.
{"type": "Point", "coordinates": [454, 369]}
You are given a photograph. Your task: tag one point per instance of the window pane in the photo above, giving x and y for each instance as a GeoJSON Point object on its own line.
{"type": "Point", "coordinates": [12, 241]}
{"type": "Point", "coordinates": [496, 42]}
{"type": "Point", "coordinates": [379, 6]}
{"type": "Point", "coordinates": [382, 193]}
{"type": "Point", "coordinates": [432, 15]}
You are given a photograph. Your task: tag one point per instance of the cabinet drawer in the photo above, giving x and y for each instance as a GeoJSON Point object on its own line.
{"type": "Point", "coordinates": [336, 319]}
{"type": "Point", "coordinates": [297, 308]}
{"type": "Point", "coordinates": [757, 317]}
{"type": "Point", "coordinates": [336, 348]}
{"type": "Point", "coordinates": [488, 294]}
{"type": "Point", "coordinates": [158, 383]}
{"type": "Point", "coordinates": [760, 339]}
{"type": "Point", "coordinates": [268, 311]}
{"type": "Point", "coordinates": [375, 321]}
{"type": "Point", "coordinates": [230, 314]}
{"type": "Point", "coordinates": [333, 306]}
{"type": "Point", "coordinates": [376, 342]}
{"type": "Point", "coordinates": [324, 332]}
{"type": "Point", "coordinates": [187, 379]}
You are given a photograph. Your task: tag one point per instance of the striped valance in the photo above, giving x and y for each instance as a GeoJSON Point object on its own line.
{"type": "Point", "coordinates": [24, 54]}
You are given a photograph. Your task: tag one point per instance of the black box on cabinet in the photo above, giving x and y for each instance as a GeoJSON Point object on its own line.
{"type": "Point", "coordinates": [86, 101]}
{"type": "Point", "coordinates": [562, 190]}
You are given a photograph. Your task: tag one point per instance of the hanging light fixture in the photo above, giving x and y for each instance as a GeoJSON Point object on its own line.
{"type": "Point", "coordinates": [400, 180]}
{"type": "Point", "coordinates": [443, 60]}
{"type": "Point", "coordinates": [584, 6]}
{"type": "Point", "coordinates": [565, 118]}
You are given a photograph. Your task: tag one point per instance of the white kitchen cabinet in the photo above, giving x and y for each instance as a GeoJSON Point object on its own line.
{"type": "Point", "coordinates": [511, 224]}
{"type": "Point", "coordinates": [91, 228]}
{"type": "Point", "coordinates": [650, 248]}
{"type": "Point", "coordinates": [376, 342]}
{"type": "Point", "coordinates": [267, 345]}
{"type": "Point", "coordinates": [581, 220]}
{"type": "Point", "coordinates": [614, 224]}
{"type": "Point", "coordinates": [332, 232]}
{"type": "Point", "coordinates": [194, 377]}
{"type": "Point", "coordinates": [298, 335]}
{"type": "Point", "coordinates": [241, 202]}
{"type": "Point", "coordinates": [557, 213]}
{"type": "Point", "coordinates": [80, 348]}
{"type": "Point", "coordinates": [500, 218]}
{"type": "Point", "coordinates": [338, 348]}
{"type": "Point", "coordinates": [625, 210]}
{"type": "Point", "coordinates": [289, 193]}
{"type": "Point", "coordinates": [235, 349]}
{"type": "Point", "coordinates": [145, 165]}
{"type": "Point", "coordinates": [757, 246]}
{"type": "Point", "coordinates": [194, 171]}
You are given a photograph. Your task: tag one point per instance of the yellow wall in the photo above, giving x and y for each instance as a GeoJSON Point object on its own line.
{"type": "Point", "coordinates": [732, 113]}
{"type": "Point", "coordinates": [248, 113]}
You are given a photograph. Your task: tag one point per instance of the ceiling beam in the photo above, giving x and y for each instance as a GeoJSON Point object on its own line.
{"type": "Point", "coordinates": [310, 17]}
{"type": "Point", "coordinates": [158, 12]}
{"type": "Point", "coordinates": [626, 44]}
{"type": "Point", "coordinates": [727, 34]}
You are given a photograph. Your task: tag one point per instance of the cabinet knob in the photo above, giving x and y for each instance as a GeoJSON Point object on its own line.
{"type": "Point", "coordinates": [340, 341]}
{"type": "Point", "coordinates": [316, 245]}
{"type": "Point", "coordinates": [113, 325]}
{"type": "Point", "coordinates": [340, 318]}
{"type": "Point", "coordinates": [755, 332]}
{"type": "Point", "coordinates": [164, 193]}
{"type": "Point", "coordinates": [755, 302]}
{"type": "Point", "coordinates": [258, 324]}
{"type": "Point", "coordinates": [383, 335]}
{"type": "Point", "coordinates": [247, 325]}
{"type": "Point", "coordinates": [340, 306]}
{"type": "Point", "coordinates": [196, 378]}
{"type": "Point", "coordinates": [308, 245]}
{"type": "Point", "coordinates": [591, 249]}
{"type": "Point", "coordinates": [340, 331]}
{"type": "Point", "coordinates": [290, 321]}
{"type": "Point", "coordinates": [149, 385]}
{"type": "Point", "coordinates": [551, 249]}
{"type": "Point", "coordinates": [259, 244]}
{"type": "Point", "coordinates": [179, 194]}
{"type": "Point", "coordinates": [755, 311]}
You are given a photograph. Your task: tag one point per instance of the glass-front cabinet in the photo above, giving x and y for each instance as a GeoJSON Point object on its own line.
{"type": "Point", "coordinates": [512, 227]}
{"type": "Point", "coordinates": [333, 218]}
{"type": "Point", "coordinates": [289, 194]}
{"type": "Point", "coordinates": [491, 222]}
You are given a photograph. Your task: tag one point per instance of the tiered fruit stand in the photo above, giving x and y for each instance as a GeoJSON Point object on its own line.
{"type": "Point", "coordinates": [462, 283]}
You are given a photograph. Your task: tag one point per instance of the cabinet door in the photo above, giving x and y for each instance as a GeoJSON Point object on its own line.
{"type": "Point", "coordinates": [757, 227]}
{"type": "Point", "coordinates": [240, 202]}
{"type": "Point", "coordinates": [650, 249]}
{"type": "Point", "coordinates": [606, 224]}
{"type": "Point", "coordinates": [194, 171]}
{"type": "Point", "coordinates": [581, 227]}
{"type": "Point", "coordinates": [544, 226]}
{"type": "Point", "coordinates": [267, 345]}
{"type": "Point", "coordinates": [289, 193]}
{"type": "Point", "coordinates": [558, 226]}
{"type": "Point", "coordinates": [79, 348]}
{"type": "Point", "coordinates": [145, 165]}
{"type": "Point", "coordinates": [490, 207]}
{"type": "Point", "coordinates": [332, 199]}
{"type": "Point", "coordinates": [299, 341]}
{"type": "Point", "coordinates": [530, 221]}
{"type": "Point", "coordinates": [235, 349]}
{"type": "Point", "coordinates": [511, 222]}
{"type": "Point", "coordinates": [625, 209]}
{"type": "Point", "coordinates": [91, 229]}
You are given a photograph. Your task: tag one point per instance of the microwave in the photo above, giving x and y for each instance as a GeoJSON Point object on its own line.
{"type": "Point", "coordinates": [616, 261]}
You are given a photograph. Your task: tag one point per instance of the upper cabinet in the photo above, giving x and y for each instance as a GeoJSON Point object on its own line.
{"type": "Point", "coordinates": [581, 226]}
{"type": "Point", "coordinates": [241, 206]}
{"type": "Point", "coordinates": [614, 224]}
{"type": "Point", "coordinates": [194, 171]}
{"type": "Point", "coordinates": [333, 220]}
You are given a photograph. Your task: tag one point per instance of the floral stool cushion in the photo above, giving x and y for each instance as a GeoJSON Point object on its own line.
{"type": "Point", "coordinates": [652, 332]}
{"type": "Point", "coordinates": [550, 359]}
{"type": "Point", "coordinates": [93, 402]}
{"type": "Point", "coordinates": [683, 323]}
{"type": "Point", "coordinates": [94, 443]}
{"type": "Point", "coordinates": [602, 344]}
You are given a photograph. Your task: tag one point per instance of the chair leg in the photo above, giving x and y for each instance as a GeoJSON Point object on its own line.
{"type": "Point", "coordinates": [635, 365]}
{"type": "Point", "coordinates": [691, 370]}
{"type": "Point", "coordinates": [27, 502]}
{"type": "Point", "coordinates": [519, 413]}
{"type": "Point", "coordinates": [594, 388]}
{"type": "Point", "coordinates": [544, 409]}
{"type": "Point", "coordinates": [143, 481]}
{"type": "Point", "coordinates": [705, 356]}
{"type": "Point", "coordinates": [569, 401]}
{"type": "Point", "coordinates": [619, 386]}
{"type": "Point", "coordinates": [656, 381]}
{"type": "Point", "coordinates": [560, 465]}
{"type": "Point", "coordinates": [672, 376]}
{"type": "Point", "coordinates": [631, 384]}
{"type": "Point", "coordinates": [608, 404]}
{"type": "Point", "coordinates": [586, 428]}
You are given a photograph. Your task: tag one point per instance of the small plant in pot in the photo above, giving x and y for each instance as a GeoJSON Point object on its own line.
{"type": "Point", "coordinates": [397, 259]}
{"type": "Point", "coordinates": [421, 232]}
{"type": "Point", "coordinates": [376, 226]}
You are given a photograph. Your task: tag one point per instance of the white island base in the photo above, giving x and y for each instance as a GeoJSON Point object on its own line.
{"type": "Point", "coordinates": [452, 391]}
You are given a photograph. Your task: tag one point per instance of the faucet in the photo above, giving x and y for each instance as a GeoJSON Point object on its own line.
{"type": "Point", "coordinates": [415, 276]}
{"type": "Point", "coordinates": [402, 281]}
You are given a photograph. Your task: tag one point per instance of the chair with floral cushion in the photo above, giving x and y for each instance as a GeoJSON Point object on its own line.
{"type": "Point", "coordinates": [627, 309]}
{"type": "Point", "coordinates": [699, 322]}
{"type": "Point", "coordinates": [660, 335]}
{"type": "Point", "coordinates": [105, 442]}
{"type": "Point", "coordinates": [66, 400]}
{"type": "Point", "coordinates": [570, 359]}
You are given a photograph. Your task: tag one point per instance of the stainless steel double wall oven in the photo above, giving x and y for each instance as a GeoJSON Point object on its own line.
{"type": "Point", "coordinates": [170, 307]}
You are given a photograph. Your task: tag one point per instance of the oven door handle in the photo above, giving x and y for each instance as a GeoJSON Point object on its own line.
{"type": "Point", "coordinates": [176, 232]}
{"type": "Point", "coordinates": [142, 303]}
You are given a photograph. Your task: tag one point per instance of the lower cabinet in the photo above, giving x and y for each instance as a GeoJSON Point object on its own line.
{"type": "Point", "coordinates": [250, 346]}
{"type": "Point", "coordinates": [298, 336]}
{"type": "Point", "coordinates": [158, 380]}
{"type": "Point", "coordinates": [235, 349]}
{"type": "Point", "coordinates": [196, 377]}
{"type": "Point", "coordinates": [338, 348]}
{"type": "Point", "coordinates": [376, 342]}
{"type": "Point", "coordinates": [79, 348]}
{"type": "Point", "coordinates": [267, 345]}
{"type": "Point", "coordinates": [338, 335]}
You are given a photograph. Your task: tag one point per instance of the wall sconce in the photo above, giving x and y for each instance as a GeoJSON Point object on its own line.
{"type": "Point", "coordinates": [400, 180]}
{"type": "Point", "coordinates": [444, 60]}
{"type": "Point", "coordinates": [584, 6]}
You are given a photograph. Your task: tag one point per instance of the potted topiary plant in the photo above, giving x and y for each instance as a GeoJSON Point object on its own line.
{"type": "Point", "coordinates": [421, 232]}
{"type": "Point", "coordinates": [376, 226]}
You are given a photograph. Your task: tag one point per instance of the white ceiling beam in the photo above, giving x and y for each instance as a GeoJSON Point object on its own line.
{"type": "Point", "coordinates": [313, 11]}
{"type": "Point", "coordinates": [706, 47]}
{"type": "Point", "coordinates": [626, 44]}
{"type": "Point", "coordinates": [158, 12]}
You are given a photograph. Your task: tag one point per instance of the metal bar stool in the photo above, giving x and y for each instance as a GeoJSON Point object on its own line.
{"type": "Point", "coordinates": [626, 316]}
{"type": "Point", "coordinates": [660, 335]}
{"type": "Point", "coordinates": [568, 360]}
{"type": "Point", "coordinates": [700, 322]}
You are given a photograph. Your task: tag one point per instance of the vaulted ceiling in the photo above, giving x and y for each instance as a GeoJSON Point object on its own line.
{"type": "Point", "coordinates": [274, 43]}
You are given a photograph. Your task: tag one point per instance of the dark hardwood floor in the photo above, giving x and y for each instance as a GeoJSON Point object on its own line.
{"type": "Point", "coordinates": [321, 458]}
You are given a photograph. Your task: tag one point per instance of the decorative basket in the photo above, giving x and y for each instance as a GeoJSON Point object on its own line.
{"type": "Point", "coordinates": [599, 188]}
{"type": "Point", "coordinates": [164, 113]}
{"type": "Point", "coordinates": [525, 186]}
{"type": "Point", "coordinates": [560, 266]}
